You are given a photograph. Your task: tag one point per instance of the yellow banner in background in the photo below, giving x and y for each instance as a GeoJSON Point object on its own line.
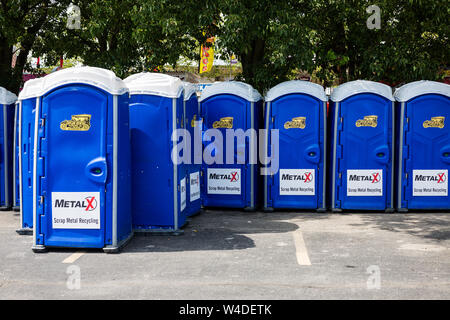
{"type": "Point", "coordinates": [207, 56]}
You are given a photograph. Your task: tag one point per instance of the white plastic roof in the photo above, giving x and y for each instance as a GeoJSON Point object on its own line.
{"type": "Point", "coordinates": [7, 97]}
{"type": "Point", "coordinates": [189, 90]}
{"type": "Point", "coordinates": [361, 86]}
{"type": "Point", "coordinates": [98, 77]}
{"type": "Point", "coordinates": [237, 88]}
{"type": "Point", "coordinates": [296, 86]}
{"type": "Point", "coordinates": [157, 84]}
{"type": "Point", "coordinates": [419, 88]}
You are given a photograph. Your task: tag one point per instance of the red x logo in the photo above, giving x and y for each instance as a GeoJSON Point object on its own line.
{"type": "Point", "coordinates": [90, 203]}
{"type": "Point", "coordinates": [234, 176]}
{"type": "Point", "coordinates": [441, 177]}
{"type": "Point", "coordinates": [308, 177]}
{"type": "Point", "coordinates": [375, 177]}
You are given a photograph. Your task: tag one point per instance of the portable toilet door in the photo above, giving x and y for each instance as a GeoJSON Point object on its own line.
{"type": "Point", "coordinates": [16, 148]}
{"type": "Point", "coordinates": [7, 102]}
{"type": "Point", "coordinates": [298, 110]}
{"type": "Point", "coordinates": [424, 145]}
{"type": "Point", "coordinates": [234, 183]}
{"type": "Point", "coordinates": [362, 153]}
{"type": "Point", "coordinates": [159, 191]}
{"type": "Point", "coordinates": [193, 125]}
{"type": "Point", "coordinates": [27, 103]}
{"type": "Point", "coordinates": [81, 187]}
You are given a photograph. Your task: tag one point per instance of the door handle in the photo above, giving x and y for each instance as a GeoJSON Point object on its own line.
{"type": "Point", "coordinates": [312, 153]}
{"type": "Point", "coordinates": [97, 170]}
{"type": "Point", "coordinates": [445, 154]}
{"type": "Point", "coordinates": [382, 154]}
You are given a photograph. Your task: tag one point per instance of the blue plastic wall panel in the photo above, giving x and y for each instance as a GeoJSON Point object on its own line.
{"type": "Point", "coordinates": [16, 177]}
{"type": "Point", "coordinates": [6, 155]}
{"type": "Point", "coordinates": [193, 170]}
{"type": "Point", "coordinates": [425, 152]}
{"type": "Point", "coordinates": [27, 119]}
{"type": "Point", "coordinates": [361, 153]}
{"type": "Point", "coordinates": [299, 183]}
{"type": "Point", "coordinates": [156, 193]}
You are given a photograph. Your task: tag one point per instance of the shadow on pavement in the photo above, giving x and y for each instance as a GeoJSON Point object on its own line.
{"type": "Point", "coordinates": [218, 230]}
{"type": "Point", "coordinates": [432, 226]}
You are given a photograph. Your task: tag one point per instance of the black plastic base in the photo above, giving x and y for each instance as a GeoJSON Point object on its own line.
{"type": "Point", "coordinates": [116, 249]}
{"type": "Point", "coordinates": [389, 210]}
{"type": "Point", "coordinates": [336, 210]}
{"type": "Point", "coordinates": [321, 210]}
{"type": "Point", "coordinates": [16, 209]}
{"type": "Point", "coordinates": [268, 209]}
{"type": "Point", "coordinates": [39, 249]}
{"type": "Point", "coordinates": [4, 208]}
{"type": "Point", "coordinates": [249, 209]}
{"type": "Point", "coordinates": [25, 231]}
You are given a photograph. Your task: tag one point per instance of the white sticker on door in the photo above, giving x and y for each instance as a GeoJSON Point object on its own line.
{"type": "Point", "coordinates": [194, 179]}
{"type": "Point", "coordinates": [297, 182]}
{"type": "Point", "coordinates": [430, 183]}
{"type": "Point", "coordinates": [361, 183]}
{"type": "Point", "coordinates": [224, 181]}
{"type": "Point", "coordinates": [76, 210]}
{"type": "Point", "coordinates": [183, 194]}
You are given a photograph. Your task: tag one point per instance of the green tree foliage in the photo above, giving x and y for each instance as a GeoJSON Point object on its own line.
{"type": "Point", "coordinates": [272, 39]}
{"type": "Point", "coordinates": [411, 44]}
{"type": "Point", "coordinates": [21, 23]}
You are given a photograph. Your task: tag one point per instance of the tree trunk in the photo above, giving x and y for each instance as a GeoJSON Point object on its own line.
{"type": "Point", "coordinates": [252, 61]}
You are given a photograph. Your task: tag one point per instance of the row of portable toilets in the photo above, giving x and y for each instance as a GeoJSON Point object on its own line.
{"type": "Point", "coordinates": [77, 185]}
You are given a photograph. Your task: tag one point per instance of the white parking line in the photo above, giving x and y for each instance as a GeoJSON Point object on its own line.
{"type": "Point", "coordinates": [74, 257]}
{"type": "Point", "coordinates": [300, 249]}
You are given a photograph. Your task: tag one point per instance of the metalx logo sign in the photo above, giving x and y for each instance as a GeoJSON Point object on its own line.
{"type": "Point", "coordinates": [232, 176]}
{"type": "Point", "coordinates": [224, 181]}
{"type": "Point", "coordinates": [75, 210]}
{"type": "Point", "coordinates": [430, 183]}
{"type": "Point", "coordinates": [439, 177]}
{"type": "Point", "coordinates": [307, 177]}
{"type": "Point", "coordinates": [364, 182]}
{"type": "Point", "coordinates": [297, 182]}
{"type": "Point", "coordinates": [372, 178]}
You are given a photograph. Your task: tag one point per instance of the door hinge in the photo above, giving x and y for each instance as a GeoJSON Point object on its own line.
{"type": "Point", "coordinates": [41, 199]}
{"type": "Point", "coordinates": [42, 122]}
{"type": "Point", "coordinates": [273, 119]}
{"type": "Point", "coordinates": [340, 175]}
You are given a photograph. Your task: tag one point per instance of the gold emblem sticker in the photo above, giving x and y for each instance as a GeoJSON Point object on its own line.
{"type": "Point", "coordinates": [79, 122]}
{"type": "Point", "coordinates": [298, 122]}
{"type": "Point", "coordinates": [193, 121]}
{"type": "Point", "coordinates": [225, 123]}
{"type": "Point", "coordinates": [435, 122]}
{"type": "Point", "coordinates": [368, 121]}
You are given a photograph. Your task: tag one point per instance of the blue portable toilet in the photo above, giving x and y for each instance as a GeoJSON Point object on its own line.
{"type": "Point", "coordinates": [362, 147]}
{"type": "Point", "coordinates": [159, 192]}
{"type": "Point", "coordinates": [27, 102]}
{"type": "Point", "coordinates": [7, 102]}
{"type": "Point", "coordinates": [193, 125]}
{"type": "Point", "coordinates": [16, 148]}
{"type": "Point", "coordinates": [230, 105]}
{"type": "Point", "coordinates": [424, 145]}
{"type": "Point", "coordinates": [81, 167]}
{"type": "Point", "coordinates": [298, 109]}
